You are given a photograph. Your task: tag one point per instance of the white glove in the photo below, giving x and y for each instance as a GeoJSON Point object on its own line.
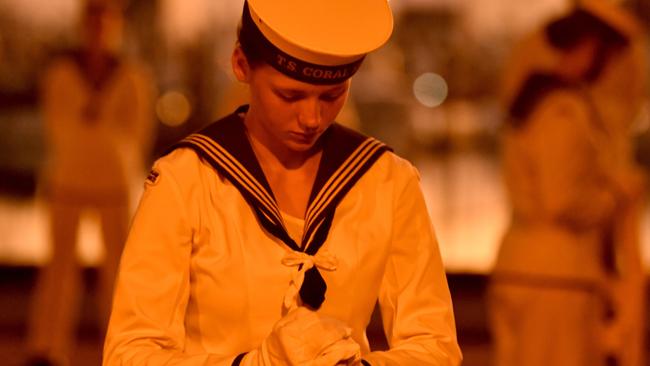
{"type": "Point", "coordinates": [305, 338]}
{"type": "Point", "coordinates": [344, 352]}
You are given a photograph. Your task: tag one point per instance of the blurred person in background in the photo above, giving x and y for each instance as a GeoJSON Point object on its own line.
{"type": "Point", "coordinates": [267, 237]}
{"type": "Point", "coordinates": [618, 96]}
{"type": "Point", "coordinates": [97, 115]}
{"type": "Point", "coordinates": [551, 283]}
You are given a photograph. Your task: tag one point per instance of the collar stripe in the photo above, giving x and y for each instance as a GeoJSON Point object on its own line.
{"type": "Point", "coordinates": [335, 177]}
{"type": "Point", "coordinates": [251, 180]}
{"type": "Point", "coordinates": [267, 217]}
{"type": "Point", "coordinates": [312, 230]}
{"type": "Point", "coordinates": [366, 157]}
{"type": "Point", "coordinates": [238, 172]}
{"type": "Point", "coordinates": [343, 175]}
{"type": "Point", "coordinates": [248, 180]}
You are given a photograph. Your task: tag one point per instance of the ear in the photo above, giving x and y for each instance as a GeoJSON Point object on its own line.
{"type": "Point", "coordinates": [240, 66]}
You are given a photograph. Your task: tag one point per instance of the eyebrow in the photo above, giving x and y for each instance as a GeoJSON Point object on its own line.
{"type": "Point", "coordinates": [333, 90]}
{"type": "Point", "coordinates": [336, 89]}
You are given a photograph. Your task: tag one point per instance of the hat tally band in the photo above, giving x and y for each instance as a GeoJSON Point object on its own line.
{"type": "Point", "coordinates": [289, 65]}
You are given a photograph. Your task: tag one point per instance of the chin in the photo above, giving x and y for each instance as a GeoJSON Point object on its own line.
{"type": "Point", "coordinates": [299, 147]}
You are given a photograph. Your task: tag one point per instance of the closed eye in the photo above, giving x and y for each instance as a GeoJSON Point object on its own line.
{"type": "Point", "coordinates": [331, 97]}
{"type": "Point", "coordinates": [289, 97]}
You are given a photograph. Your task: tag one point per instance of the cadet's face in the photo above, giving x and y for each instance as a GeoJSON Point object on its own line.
{"type": "Point", "coordinates": [102, 27]}
{"type": "Point", "coordinates": [286, 112]}
{"type": "Point", "coordinates": [577, 62]}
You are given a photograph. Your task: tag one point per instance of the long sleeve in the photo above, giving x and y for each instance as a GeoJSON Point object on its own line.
{"type": "Point", "coordinates": [414, 297]}
{"type": "Point", "coordinates": [147, 322]}
{"type": "Point", "coordinates": [572, 185]}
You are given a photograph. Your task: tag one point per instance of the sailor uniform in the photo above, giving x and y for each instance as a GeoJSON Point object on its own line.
{"type": "Point", "coordinates": [619, 95]}
{"type": "Point", "coordinates": [96, 133]}
{"type": "Point", "coordinates": [546, 292]}
{"type": "Point", "coordinates": [616, 96]}
{"type": "Point", "coordinates": [211, 263]}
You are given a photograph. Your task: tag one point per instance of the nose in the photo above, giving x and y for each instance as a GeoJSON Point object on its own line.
{"type": "Point", "coordinates": [309, 117]}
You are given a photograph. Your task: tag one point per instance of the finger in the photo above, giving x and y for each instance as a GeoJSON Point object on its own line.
{"type": "Point", "coordinates": [346, 350]}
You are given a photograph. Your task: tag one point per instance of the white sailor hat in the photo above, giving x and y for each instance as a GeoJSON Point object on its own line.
{"type": "Point", "coordinates": [316, 41]}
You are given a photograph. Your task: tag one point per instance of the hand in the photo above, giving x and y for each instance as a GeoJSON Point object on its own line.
{"type": "Point", "coordinates": [344, 352]}
{"type": "Point", "coordinates": [304, 337]}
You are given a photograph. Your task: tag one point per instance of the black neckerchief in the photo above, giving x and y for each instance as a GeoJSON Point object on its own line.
{"type": "Point", "coordinates": [346, 156]}
{"type": "Point", "coordinates": [95, 82]}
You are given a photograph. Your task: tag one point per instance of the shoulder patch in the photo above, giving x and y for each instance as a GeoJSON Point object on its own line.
{"type": "Point", "coordinates": [153, 177]}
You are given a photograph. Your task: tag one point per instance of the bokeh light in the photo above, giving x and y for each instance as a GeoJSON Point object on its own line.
{"type": "Point", "coordinates": [430, 89]}
{"type": "Point", "coordinates": [173, 108]}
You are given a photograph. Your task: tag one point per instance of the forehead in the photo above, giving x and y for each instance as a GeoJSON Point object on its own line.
{"type": "Point", "coordinates": [269, 76]}
{"type": "Point", "coordinates": [95, 9]}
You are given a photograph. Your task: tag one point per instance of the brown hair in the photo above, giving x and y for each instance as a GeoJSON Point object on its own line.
{"type": "Point", "coordinates": [569, 31]}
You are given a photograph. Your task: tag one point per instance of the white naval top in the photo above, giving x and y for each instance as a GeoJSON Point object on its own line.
{"type": "Point", "coordinates": [96, 156]}
{"type": "Point", "coordinates": [559, 190]}
{"type": "Point", "coordinates": [200, 281]}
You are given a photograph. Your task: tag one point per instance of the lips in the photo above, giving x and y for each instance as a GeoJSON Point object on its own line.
{"type": "Point", "coordinates": [304, 137]}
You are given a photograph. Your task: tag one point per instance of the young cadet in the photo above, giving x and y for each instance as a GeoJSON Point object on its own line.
{"type": "Point", "coordinates": [267, 237]}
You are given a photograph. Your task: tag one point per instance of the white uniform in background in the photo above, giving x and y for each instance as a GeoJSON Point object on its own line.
{"type": "Point", "coordinates": [615, 100]}
{"type": "Point", "coordinates": [97, 136]}
{"type": "Point", "coordinates": [546, 294]}
{"type": "Point", "coordinates": [618, 97]}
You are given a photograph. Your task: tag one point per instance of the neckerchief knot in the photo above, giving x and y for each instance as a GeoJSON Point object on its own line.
{"type": "Point", "coordinates": [307, 268]}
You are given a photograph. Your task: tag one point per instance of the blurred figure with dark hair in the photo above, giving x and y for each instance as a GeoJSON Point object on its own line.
{"type": "Point", "coordinates": [549, 290]}
{"type": "Point", "coordinates": [618, 95]}
{"type": "Point", "coordinates": [97, 113]}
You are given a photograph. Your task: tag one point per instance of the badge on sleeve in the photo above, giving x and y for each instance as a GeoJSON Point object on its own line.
{"type": "Point", "coordinates": [152, 178]}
